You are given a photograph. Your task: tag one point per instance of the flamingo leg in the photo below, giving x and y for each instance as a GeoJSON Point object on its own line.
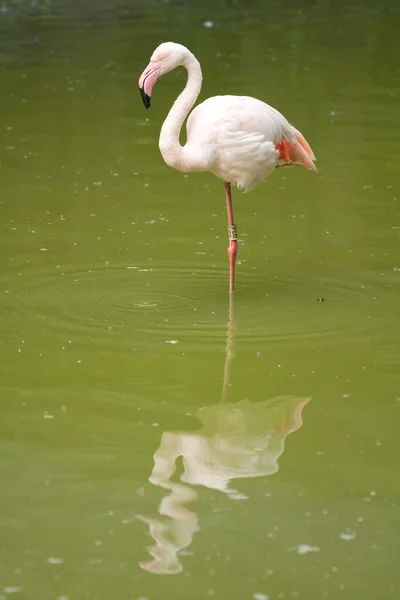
{"type": "Point", "coordinates": [232, 232]}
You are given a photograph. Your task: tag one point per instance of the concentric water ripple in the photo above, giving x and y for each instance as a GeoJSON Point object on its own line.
{"type": "Point", "coordinates": [190, 304]}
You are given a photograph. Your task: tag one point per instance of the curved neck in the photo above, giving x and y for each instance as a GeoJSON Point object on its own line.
{"type": "Point", "coordinates": [174, 154]}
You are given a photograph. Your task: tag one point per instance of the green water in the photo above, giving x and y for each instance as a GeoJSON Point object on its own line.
{"type": "Point", "coordinates": [255, 456]}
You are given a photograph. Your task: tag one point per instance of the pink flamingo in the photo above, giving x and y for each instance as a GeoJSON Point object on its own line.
{"type": "Point", "coordinates": [238, 138]}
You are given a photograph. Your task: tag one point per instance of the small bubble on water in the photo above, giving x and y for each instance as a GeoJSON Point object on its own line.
{"type": "Point", "coordinates": [208, 24]}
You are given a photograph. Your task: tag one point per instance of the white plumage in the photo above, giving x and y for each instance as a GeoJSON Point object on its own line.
{"type": "Point", "coordinates": [239, 134]}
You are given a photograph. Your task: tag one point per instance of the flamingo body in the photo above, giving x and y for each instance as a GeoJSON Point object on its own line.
{"type": "Point", "coordinates": [240, 137]}
{"type": "Point", "coordinates": [237, 138]}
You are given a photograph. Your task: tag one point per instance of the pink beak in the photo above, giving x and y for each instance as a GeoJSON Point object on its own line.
{"type": "Point", "coordinates": [147, 80]}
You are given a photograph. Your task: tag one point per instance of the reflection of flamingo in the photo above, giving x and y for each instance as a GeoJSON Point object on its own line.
{"type": "Point", "coordinates": [239, 139]}
{"type": "Point", "coordinates": [173, 535]}
{"type": "Point", "coordinates": [236, 441]}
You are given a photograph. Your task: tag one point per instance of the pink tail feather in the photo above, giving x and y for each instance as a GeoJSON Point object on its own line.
{"type": "Point", "coordinates": [303, 143]}
{"type": "Point", "coordinates": [298, 152]}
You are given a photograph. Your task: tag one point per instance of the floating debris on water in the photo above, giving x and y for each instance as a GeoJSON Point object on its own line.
{"type": "Point", "coordinates": [52, 560]}
{"type": "Point", "coordinates": [305, 549]}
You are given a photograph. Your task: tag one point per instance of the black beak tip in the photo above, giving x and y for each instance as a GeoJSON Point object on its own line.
{"type": "Point", "coordinates": [145, 98]}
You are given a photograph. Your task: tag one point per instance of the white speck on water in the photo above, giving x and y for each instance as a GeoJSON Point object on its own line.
{"type": "Point", "coordinates": [156, 424]}
{"type": "Point", "coordinates": [171, 341]}
{"type": "Point", "coordinates": [62, 597]}
{"type": "Point", "coordinates": [98, 543]}
{"type": "Point", "coordinates": [208, 24]}
{"type": "Point", "coordinates": [372, 493]}
{"type": "Point", "coordinates": [46, 415]}
{"type": "Point", "coordinates": [348, 536]}
{"type": "Point", "coordinates": [258, 596]}
{"type": "Point", "coordinates": [12, 589]}
{"type": "Point", "coordinates": [52, 560]}
{"type": "Point", "coordinates": [305, 549]}
{"type": "Point", "coordinates": [79, 362]}
{"type": "Point", "coordinates": [43, 249]}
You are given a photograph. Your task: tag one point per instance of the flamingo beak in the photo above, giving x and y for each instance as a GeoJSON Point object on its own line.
{"type": "Point", "coordinates": [147, 80]}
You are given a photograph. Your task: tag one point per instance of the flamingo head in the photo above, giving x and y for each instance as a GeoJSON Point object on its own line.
{"type": "Point", "coordinates": [166, 56]}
